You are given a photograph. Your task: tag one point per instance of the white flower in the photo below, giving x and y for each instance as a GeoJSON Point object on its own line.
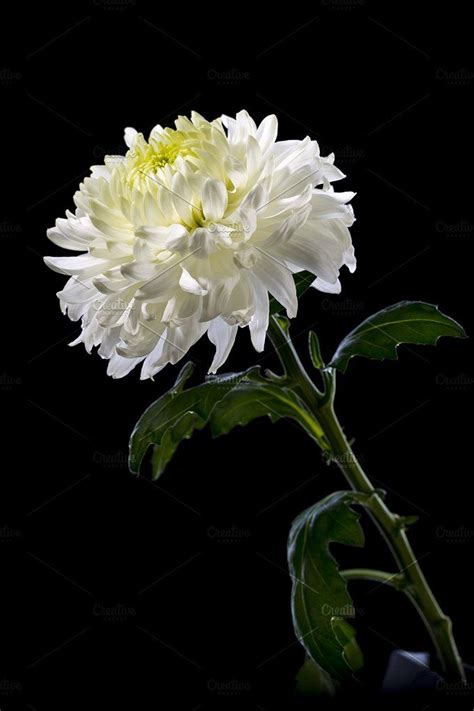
{"type": "Point", "coordinates": [190, 231]}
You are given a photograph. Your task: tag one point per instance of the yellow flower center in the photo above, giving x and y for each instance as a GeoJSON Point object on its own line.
{"type": "Point", "coordinates": [158, 159]}
{"type": "Point", "coordinates": [145, 159]}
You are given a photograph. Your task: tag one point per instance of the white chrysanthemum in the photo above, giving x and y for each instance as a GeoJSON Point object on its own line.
{"type": "Point", "coordinates": [190, 231]}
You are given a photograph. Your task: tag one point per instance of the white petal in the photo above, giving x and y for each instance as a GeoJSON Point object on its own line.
{"type": "Point", "coordinates": [152, 363]}
{"type": "Point", "coordinates": [350, 259]}
{"type": "Point", "coordinates": [141, 341]}
{"type": "Point", "coordinates": [189, 284]}
{"type": "Point", "coordinates": [267, 133]}
{"type": "Point", "coordinates": [321, 247]}
{"type": "Point", "coordinates": [198, 120]}
{"type": "Point", "coordinates": [240, 128]}
{"type": "Point", "coordinates": [160, 286]}
{"type": "Point", "coordinates": [305, 253]}
{"type": "Point", "coordinates": [111, 283]}
{"type": "Point", "coordinates": [78, 231]}
{"type": "Point", "coordinates": [326, 205]}
{"type": "Point", "coordinates": [203, 241]}
{"type": "Point", "coordinates": [129, 136]}
{"type": "Point", "coordinates": [165, 203]}
{"type": "Point", "coordinates": [256, 197]}
{"type": "Point", "coordinates": [77, 292]}
{"type": "Point", "coordinates": [77, 311]}
{"type": "Point", "coordinates": [84, 264]}
{"type": "Point", "coordinates": [278, 280]}
{"type": "Point", "coordinates": [214, 199]}
{"type": "Point", "coordinates": [151, 209]}
{"type": "Point", "coordinates": [254, 157]}
{"type": "Point", "coordinates": [240, 306]}
{"type": "Point", "coordinates": [216, 301]}
{"type": "Point", "coordinates": [329, 170]}
{"type": "Point", "coordinates": [326, 286]}
{"type": "Point", "coordinates": [112, 309]}
{"type": "Point", "coordinates": [180, 339]}
{"type": "Point", "coordinates": [295, 154]}
{"type": "Point", "coordinates": [174, 238]}
{"type": "Point", "coordinates": [259, 323]}
{"type": "Point", "coordinates": [182, 198]}
{"type": "Point", "coordinates": [286, 228]}
{"type": "Point", "coordinates": [181, 306]}
{"type": "Point", "coordinates": [109, 342]}
{"type": "Point", "coordinates": [66, 241]}
{"type": "Point", "coordinates": [235, 170]}
{"type": "Point", "coordinates": [280, 204]}
{"type": "Point", "coordinates": [120, 366]}
{"type": "Point", "coordinates": [62, 240]}
{"type": "Point", "coordinates": [100, 171]}
{"type": "Point", "coordinates": [142, 251]}
{"type": "Point", "coordinates": [156, 132]}
{"type": "Point", "coordinates": [138, 271]}
{"type": "Point", "coordinates": [222, 336]}
{"type": "Point", "coordinates": [90, 336]}
{"type": "Point", "coordinates": [283, 148]}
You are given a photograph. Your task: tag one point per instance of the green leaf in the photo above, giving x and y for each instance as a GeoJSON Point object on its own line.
{"type": "Point", "coordinates": [175, 416]}
{"type": "Point", "coordinates": [303, 281]}
{"type": "Point", "coordinates": [346, 635]}
{"type": "Point", "coordinates": [319, 594]}
{"type": "Point", "coordinates": [258, 397]}
{"type": "Point", "coordinates": [315, 351]}
{"type": "Point", "coordinates": [312, 680]}
{"type": "Point", "coordinates": [406, 322]}
{"type": "Point", "coordinates": [223, 402]}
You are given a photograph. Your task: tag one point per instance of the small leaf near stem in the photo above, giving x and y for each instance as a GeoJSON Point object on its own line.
{"type": "Point", "coordinates": [315, 351]}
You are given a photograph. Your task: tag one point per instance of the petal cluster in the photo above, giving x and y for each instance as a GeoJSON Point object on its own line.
{"type": "Point", "coordinates": [190, 231]}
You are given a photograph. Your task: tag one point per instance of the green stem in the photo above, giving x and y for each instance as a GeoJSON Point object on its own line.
{"type": "Point", "coordinates": [437, 623]}
{"type": "Point", "coordinates": [394, 580]}
{"type": "Point", "coordinates": [391, 526]}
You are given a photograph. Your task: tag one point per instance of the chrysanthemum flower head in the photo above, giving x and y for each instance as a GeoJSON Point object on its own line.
{"type": "Point", "coordinates": [190, 232]}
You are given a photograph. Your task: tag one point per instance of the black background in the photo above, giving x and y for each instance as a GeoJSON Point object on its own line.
{"type": "Point", "coordinates": [123, 592]}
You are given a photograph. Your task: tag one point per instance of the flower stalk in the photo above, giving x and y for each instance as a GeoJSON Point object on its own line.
{"type": "Point", "coordinates": [410, 578]}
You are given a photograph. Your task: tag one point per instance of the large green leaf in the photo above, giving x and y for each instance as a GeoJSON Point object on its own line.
{"type": "Point", "coordinates": [303, 281]}
{"type": "Point", "coordinates": [320, 599]}
{"type": "Point", "coordinates": [175, 416]}
{"type": "Point", "coordinates": [258, 397]}
{"type": "Point", "coordinates": [223, 402]}
{"type": "Point", "coordinates": [406, 322]}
